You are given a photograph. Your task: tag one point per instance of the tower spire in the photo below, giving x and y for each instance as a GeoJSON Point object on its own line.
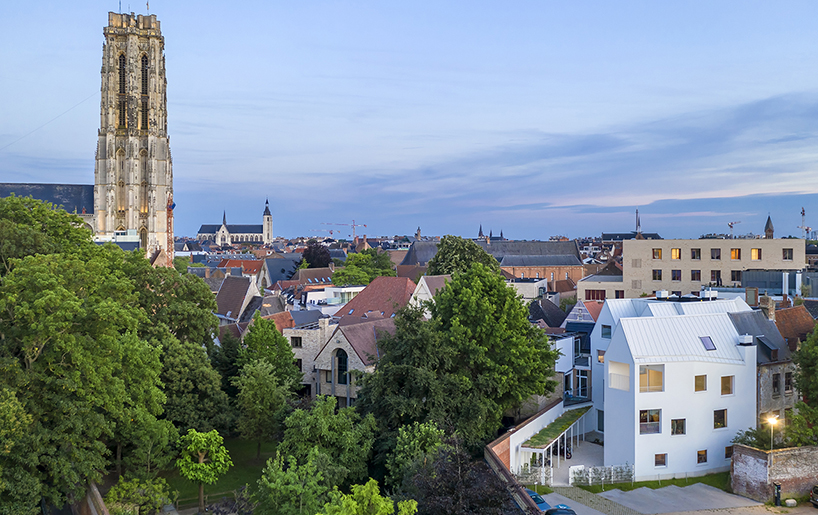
{"type": "Point", "coordinates": [224, 218]}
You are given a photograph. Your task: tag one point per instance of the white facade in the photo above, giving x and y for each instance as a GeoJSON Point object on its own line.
{"type": "Point", "coordinates": [672, 402]}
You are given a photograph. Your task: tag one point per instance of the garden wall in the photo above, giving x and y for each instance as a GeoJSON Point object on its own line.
{"type": "Point", "coordinates": [753, 471]}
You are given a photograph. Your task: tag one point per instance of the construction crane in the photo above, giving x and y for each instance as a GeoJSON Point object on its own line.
{"type": "Point", "coordinates": [330, 231]}
{"type": "Point", "coordinates": [353, 225]}
{"type": "Point", "coordinates": [804, 229]}
{"type": "Point", "coordinates": [731, 224]}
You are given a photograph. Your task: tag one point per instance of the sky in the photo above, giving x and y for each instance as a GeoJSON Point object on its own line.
{"type": "Point", "coordinates": [537, 118]}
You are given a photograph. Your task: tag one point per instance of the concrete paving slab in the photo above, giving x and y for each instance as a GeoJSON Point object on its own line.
{"type": "Point", "coordinates": [672, 498]}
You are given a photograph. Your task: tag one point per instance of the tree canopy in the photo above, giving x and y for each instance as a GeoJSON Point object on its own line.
{"type": "Point", "coordinates": [203, 459]}
{"type": "Point", "coordinates": [317, 255]}
{"type": "Point", "coordinates": [263, 341]}
{"type": "Point", "coordinates": [291, 488]}
{"type": "Point", "coordinates": [363, 267]}
{"type": "Point", "coordinates": [262, 395]}
{"type": "Point", "coordinates": [456, 254]}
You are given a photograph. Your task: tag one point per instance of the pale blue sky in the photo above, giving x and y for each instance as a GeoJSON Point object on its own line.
{"type": "Point", "coordinates": [538, 118]}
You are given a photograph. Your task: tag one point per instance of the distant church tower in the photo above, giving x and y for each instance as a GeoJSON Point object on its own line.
{"type": "Point", "coordinates": [133, 175]}
{"type": "Point", "coordinates": [267, 236]}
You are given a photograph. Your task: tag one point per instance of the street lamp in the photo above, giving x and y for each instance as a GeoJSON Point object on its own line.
{"type": "Point", "coordinates": [772, 421]}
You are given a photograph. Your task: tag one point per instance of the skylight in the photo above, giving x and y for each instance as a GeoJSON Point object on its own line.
{"type": "Point", "coordinates": [707, 342]}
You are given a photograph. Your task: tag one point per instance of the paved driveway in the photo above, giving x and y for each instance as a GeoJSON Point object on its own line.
{"type": "Point", "coordinates": [672, 498]}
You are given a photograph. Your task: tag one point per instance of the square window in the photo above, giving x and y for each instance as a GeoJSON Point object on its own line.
{"type": "Point", "coordinates": [650, 421]}
{"type": "Point", "coordinates": [788, 382]}
{"type": "Point", "coordinates": [727, 385]}
{"type": "Point", "coordinates": [696, 275]}
{"type": "Point", "coordinates": [728, 452]}
{"type": "Point", "coordinates": [651, 378]}
{"type": "Point", "coordinates": [695, 254]}
{"type": "Point", "coordinates": [701, 383]}
{"type": "Point", "coordinates": [606, 331]}
{"type": "Point", "coordinates": [675, 253]}
{"type": "Point", "coordinates": [677, 426]}
{"type": "Point", "coordinates": [660, 460]}
{"type": "Point", "coordinates": [295, 341]}
{"type": "Point", "coordinates": [701, 456]}
{"type": "Point", "coordinates": [719, 418]}
{"type": "Point", "coordinates": [675, 275]}
{"type": "Point", "coordinates": [735, 254]}
{"type": "Point", "coordinates": [787, 254]}
{"type": "Point", "coordinates": [619, 294]}
{"type": "Point", "coordinates": [776, 384]}
{"type": "Point", "coordinates": [715, 254]}
{"type": "Point", "coordinates": [735, 276]}
{"type": "Point", "coordinates": [715, 276]}
{"type": "Point", "coordinates": [755, 254]}
{"type": "Point", "coordinates": [657, 253]}
{"type": "Point", "coordinates": [657, 275]}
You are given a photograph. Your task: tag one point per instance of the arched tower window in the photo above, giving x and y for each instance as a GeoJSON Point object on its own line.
{"type": "Point", "coordinates": [122, 99]}
{"type": "Point", "coordinates": [144, 102]}
{"type": "Point", "coordinates": [341, 355]}
{"type": "Point", "coordinates": [143, 238]}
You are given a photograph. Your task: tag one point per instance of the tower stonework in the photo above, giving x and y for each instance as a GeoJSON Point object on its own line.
{"type": "Point", "coordinates": [133, 173]}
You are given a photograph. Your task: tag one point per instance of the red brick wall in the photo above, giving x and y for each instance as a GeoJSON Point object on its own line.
{"type": "Point", "coordinates": [753, 471]}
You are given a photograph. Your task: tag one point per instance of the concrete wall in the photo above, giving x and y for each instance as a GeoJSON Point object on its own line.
{"type": "Point", "coordinates": [754, 471]}
{"type": "Point", "coordinates": [638, 262]}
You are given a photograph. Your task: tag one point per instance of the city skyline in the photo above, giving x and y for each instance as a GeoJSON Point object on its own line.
{"type": "Point", "coordinates": [538, 120]}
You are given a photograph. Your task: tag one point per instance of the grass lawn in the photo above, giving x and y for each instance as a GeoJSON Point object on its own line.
{"type": "Point", "coordinates": [246, 469]}
{"type": "Point", "coordinates": [540, 489]}
{"type": "Point", "coordinates": [720, 480]}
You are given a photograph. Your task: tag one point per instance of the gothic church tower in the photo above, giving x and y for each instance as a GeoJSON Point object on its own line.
{"type": "Point", "coordinates": [133, 176]}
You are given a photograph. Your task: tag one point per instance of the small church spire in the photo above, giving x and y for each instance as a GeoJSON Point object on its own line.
{"type": "Point", "coordinates": [267, 208]}
{"type": "Point", "coordinates": [638, 222]}
{"type": "Point", "coordinates": [224, 218]}
{"type": "Point", "coordinates": [480, 234]}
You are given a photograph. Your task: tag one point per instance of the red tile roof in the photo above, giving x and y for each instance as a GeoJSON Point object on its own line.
{"type": "Point", "coordinates": [249, 266]}
{"type": "Point", "coordinates": [593, 307]}
{"type": "Point", "coordinates": [282, 320]}
{"type": "Point", "coordinates": [382, 297]}
{"type": "Point", "coordinates": [794, 324]}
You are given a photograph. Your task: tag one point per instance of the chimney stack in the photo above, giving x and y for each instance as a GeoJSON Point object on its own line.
{"type": "Point", "coordinates": [767, 305]}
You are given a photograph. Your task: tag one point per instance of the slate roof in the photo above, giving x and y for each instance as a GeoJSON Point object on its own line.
{"type": "Point", "coordinates": [251, 308]}
{"type": "Point", "coordinates": [413, 272]}
{"type": "Point", "coordinates": [272, 304]}
{"type": "Point", "coordinates": [72, 197]}
{"type": "Point", "coordinates": [381, 298]}
{"type": "Point", "coordinates": [314, 276]}
{"type": "Point", "coordinates": [546, 311]}
{"type": "Point", "coordinates": [756, 324]}
{"type": "Point", "coordinates": [422, 251]}
{"type": "Point", "coordinates": [281, 268]}
{"type": "Point", "coordinates": [436, 283]}
{"type": "Point", "coordinates": [127, 246]}
{"type": "Point", "coordinates": [794, 324]}
{"type": "Point", "coordinates": [619, 236]}
{"type": "Point", "coordinates": [812, 307]}
{"type": "Point", "coordinates": [232, 228]}
{"type": "Point", "coordinates": [305, 317]}
{"type": "Point", "coordinates": [554, 260]}
{"type": "Point", "coordinates": [338, 254]}
{"type": "Point", "coordinates": [231, 295]}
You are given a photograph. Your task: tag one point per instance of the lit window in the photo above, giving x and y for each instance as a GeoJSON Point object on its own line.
{"type": "Point", "coordinates": [650, 421]}
{"type": "Point", "coordinates": [727, 385]}
{"type": "Point", "coordinates": [660, 460]}
{"type": "Point", "coordinates": [651, 378]}
{"type": "Point", "coordinates": [657, 253]}
{"type": "Point", "coordinates": [715, 254]}
{"type": "Point", "coordinates": [787, 254]}
{"type": "Point", "coordinates": [675, 253]}
{"type": "Point", "coordinates": [675, 275]}
{"type": "Point", "coordinates": [701, 456]}
{"type": "Point", "coordinates": [701, 383]}
{"type": "Point", "coordinates": [755, 254]}
{"type": "Point", "coordinates": [719, 418]}
{"type": "Point", "coordinates": [600, 356]}
{"type": "Point", "coordinates": [695, 254]}
{"type": "Point", "coordinates": [657, 275]}
{"type": "Point", "coordinates": [696, 275]}
{"type": "Point", "coordinates": [735, 254]}
{"type": "Point", "coordinates": [677, 426]}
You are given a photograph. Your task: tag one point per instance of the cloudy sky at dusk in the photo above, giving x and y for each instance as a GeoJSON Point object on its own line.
{"type": "Point", "coordinates": [538, 118]}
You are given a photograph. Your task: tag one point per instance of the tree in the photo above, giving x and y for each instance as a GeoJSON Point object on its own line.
{"type": "Point", "coordinates": [363, 267]}
{"type": "Point", "coordinates": [416, 447]}
{"type": "Point", "coordinates": [806, 375]}
{"type": "Point", "coordinates": [366, 500]}
{"type": "Point", "coordinates": [149, 494]}
{"type": "Point", "coordinates": [263, 341]}
{"type": "Point", "coordinates": [225, 360]}
{"type": "Point", "coordinates": [456, 254]}
{"type": "Point", "coordinates": [802, 426]}
{"type": "Point", "coordinates": [151, 444]}
{"type": "Point", "coordinates": [18, 485]}
{"type": "Point", "coordinates": [203, 459]}
{"type": "Point", "coordinates": [290, 489]}
{"type": "Point", "coordinates": [261, 397]}
{"type": "Point", "coordinates": [30, 226]}
{"type": "Point", "coordinates": [317, 255]}
{"type": "Point", "coordinates": [343, 440]}
{"type": "Point", "coordinates": [477, 357]}
{"type": "Point", "coordinates": [460, 486]}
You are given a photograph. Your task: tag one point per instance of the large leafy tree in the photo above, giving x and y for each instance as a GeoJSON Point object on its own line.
{"type": "Point", "coordinates": [343, 440]}
{"type": "Point", "coordinates": [203, 459]}
{"type": "Point", "coordinates": [416, 447]}
{"type": "Point", "coordinates": [456, 254]}
{"type": "Point", "coordinates": [477, 357]}
{"type": "Point", "coordinates": [225, 360]}
{"type": "Point", "coordinates": [366, 499]}
{"type": "Point", "coordinates": [317, 255]}
{"type": "Point", "coordinates": [261, 398]}
{"type": "Point", "coordinates": [72, 355]}
{"type": "Point", "coordinates": [364, 267]}
{"type": "Point", "coordinates": [29, 226]}
{"type": "Point", "coordinates": [290, 488]}
{"type": "Point", "coordinates": [806, 375]}
{"type": "Point", "coordinates": [263, 341]}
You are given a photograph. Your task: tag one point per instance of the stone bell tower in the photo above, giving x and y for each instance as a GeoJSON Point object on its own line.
{"type": "Point", "coordinates": [133, 174]}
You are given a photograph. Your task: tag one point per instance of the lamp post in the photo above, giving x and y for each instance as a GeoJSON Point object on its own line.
{"type": "Point", "coordinates": [772, 421]}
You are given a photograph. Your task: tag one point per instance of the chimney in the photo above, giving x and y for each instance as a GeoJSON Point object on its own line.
{"type": "Point", "coordinates": [207, 273]}
{"type": "Point", "coordinates": [767, 305]}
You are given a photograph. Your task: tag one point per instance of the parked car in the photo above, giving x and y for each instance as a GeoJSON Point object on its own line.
{"type": "Point", "coordinates": [813, 496]}
{"type": "Point", "coordinates": [538, 500]}
{"type": "Point", "coordinates": [560, 509]}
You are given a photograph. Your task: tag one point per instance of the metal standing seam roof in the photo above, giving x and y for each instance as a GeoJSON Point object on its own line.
{"type": "Point", "coordinates": [677, 338]}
